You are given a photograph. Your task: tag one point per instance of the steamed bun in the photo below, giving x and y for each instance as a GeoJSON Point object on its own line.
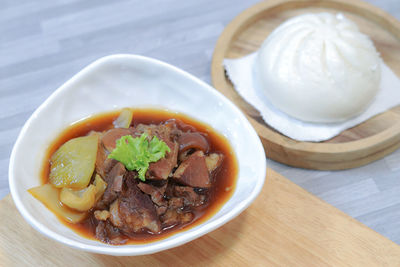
{"type": "Point", "coordinates": [319, 68]}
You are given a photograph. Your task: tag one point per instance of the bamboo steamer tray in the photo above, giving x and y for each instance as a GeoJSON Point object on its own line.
{"type": "Point", "coordinates": [354, 147]}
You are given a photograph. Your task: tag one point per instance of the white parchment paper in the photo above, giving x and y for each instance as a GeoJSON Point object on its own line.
{"type": "Point", "coordinates": [240, 72]}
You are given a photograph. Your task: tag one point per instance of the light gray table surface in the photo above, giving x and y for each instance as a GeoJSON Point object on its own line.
{"type": "Point", "coordinates": [44, 43]}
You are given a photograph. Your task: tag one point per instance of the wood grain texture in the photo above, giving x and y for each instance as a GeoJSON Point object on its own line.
{"type": "Point", "coordinates": [357, 146]}
{"type": "Point", "coordinates": [285, 226]}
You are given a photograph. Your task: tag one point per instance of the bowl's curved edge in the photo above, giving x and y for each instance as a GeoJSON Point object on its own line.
{"type": "Point", "coordinates": [153, 247]}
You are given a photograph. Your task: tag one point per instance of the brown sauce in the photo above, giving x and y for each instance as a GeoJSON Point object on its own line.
{"type": "Point", "coordinates": [225, 178]}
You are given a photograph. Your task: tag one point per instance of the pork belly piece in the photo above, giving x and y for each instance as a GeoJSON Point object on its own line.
{"type": "Point", "coordinates": [193, 171]}
{"type": "Point", "coordinates": [114, 180]}
{"type": "Point", "coordinates": [103, 164]}
{"type": "Point", "coordinates": [161, 210]}
{"type": "Point", "coordinates": [176, 203]}
{"type": "Point", "coordinates": [196, 169]}
{"type": "Point", "coordinates": [136, 212]}
{"type": "Point", "coordinates": [172, 217]}
{"type": "Point", "coordinates": [110, 137]}
{"type": "Point", "coordinates": [109, 234]}
{"type": "Point", "coordinates": [163, 168]}
{"type": "Point", "coordinates": [155, 192]}
{"type": "Point", "coordinates": [115, 217]}
{"type": "Point", "coordinates": [189, 195]}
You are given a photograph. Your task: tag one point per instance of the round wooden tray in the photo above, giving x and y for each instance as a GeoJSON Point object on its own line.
{"type": "Point", "coordinates": [354, 147]}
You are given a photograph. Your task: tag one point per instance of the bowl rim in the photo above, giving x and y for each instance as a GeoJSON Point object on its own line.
{"type": "Point", "coordinates": [153, 247]}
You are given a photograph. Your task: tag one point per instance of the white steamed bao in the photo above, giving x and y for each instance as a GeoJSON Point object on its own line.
{"type": "Point", "coordinates": [319, 68]}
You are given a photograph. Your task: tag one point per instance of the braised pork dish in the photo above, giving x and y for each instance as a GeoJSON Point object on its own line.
{"type": "Point", "coordinates": [136, 175]}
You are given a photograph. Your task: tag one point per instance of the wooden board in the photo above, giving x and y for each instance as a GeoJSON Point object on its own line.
{"type": "Point", "coordinates": [285, 226]}
{"type": "Point", "coordinates": [357, 146]}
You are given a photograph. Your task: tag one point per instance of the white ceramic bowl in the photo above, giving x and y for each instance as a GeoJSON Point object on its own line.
{"type": "Point", "coordinates": [120, 81]}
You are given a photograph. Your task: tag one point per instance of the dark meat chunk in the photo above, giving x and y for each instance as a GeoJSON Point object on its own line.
{"type": "Point", "coordinates": [184, 155]}
{"type": "Point", "coordinates": [117, 183]}
{"type": "Point", "coordinates": [162, 168]}
{"type": "Point", "coordinates": [110, 137]}
{"type": "Point", "coordinates": [143, 128]}
{"type": "Point", "coordinates": [156, 193]}
{"type": "Point", "coordinates": [150, 189]}
{"type": "Point", "coordinates": [189, 195]}
{"type": "Point", "coordinates": [213, 161]}
{"type": "Point", "coordinates": [192, 141]}
{"type": "Point", "coordinates": [114, 180]}
{"type": "Point", "coordinates": [176, 203]}
{"type": "Point", "coordinates": [161, 131]}
{"type": "Point", "coordinates": [109, 234]}
{"type": "Point", "coordinates": [117, 170]}
{"type": "Point", "coordinates": [169, 130]}
{"type": "Point", "coordinates": [103, 164]}
{"type": "Point", "coordinates": [193, 171]}
{"type": "Point", "coordinates": [115, 218]}
{"type": "Point", "coordinates": [161, 210]}
{"type": "Point", "coordinates": [175, 131]}
{"type": "Point", "coordinates": [178, 124]}
{"type": "Point", "coordinates": [173, 217]}
{"type": "Point", "coordinates": [136, 211]}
